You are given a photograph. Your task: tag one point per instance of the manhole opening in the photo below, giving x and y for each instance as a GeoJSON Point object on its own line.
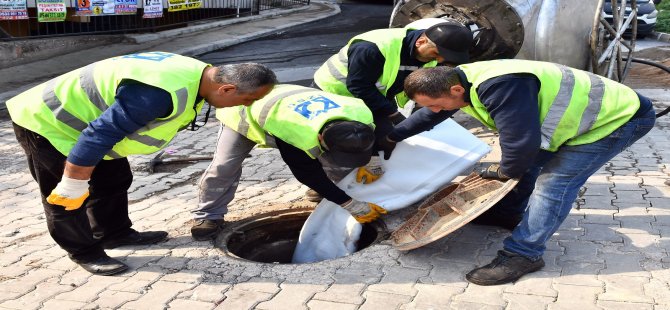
{"type": "Point", "coordinates": [273, 239]}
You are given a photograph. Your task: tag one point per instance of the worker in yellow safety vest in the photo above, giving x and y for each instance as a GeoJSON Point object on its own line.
{"type": "Point", "coordinates": [373, 66]}
{"type": "Point", "coordinates": [77, 130]}
{"type": "Point", "coordinates": [313, 131]}
{"type": "Point", "coordinates": [557, 125]}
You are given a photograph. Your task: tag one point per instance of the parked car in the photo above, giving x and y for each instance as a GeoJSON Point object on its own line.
{"type": "Point", "coordinates": [646, 15]}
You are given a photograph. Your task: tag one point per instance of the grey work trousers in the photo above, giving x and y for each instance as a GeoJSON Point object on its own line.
{"type": "Point", "coordinates": [218, 184]}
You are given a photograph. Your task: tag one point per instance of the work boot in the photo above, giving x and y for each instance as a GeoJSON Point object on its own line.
{"type": "Point", "coordinates": [103, 266]}
{"type": "Point", "coordinates": [204, 230]}
{"type": "Point", "coordinates": [313, 196]}
{"type": "Point", "coordinates": [490, 218]}
{"type": "Point", "coordinates": [135, 238]}
{"type": "Point", "coordinates": [505, 268]}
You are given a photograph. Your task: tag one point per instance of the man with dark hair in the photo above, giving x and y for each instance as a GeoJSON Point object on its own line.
{"type": "Point", "coordinates": [557, 126]}
{"type": "Point", "coordinates": [312, 129]}
{"type": "Point", "coordinates": [77, 130]}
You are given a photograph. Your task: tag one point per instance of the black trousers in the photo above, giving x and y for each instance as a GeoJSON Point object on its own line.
{"type": "Point", "coordinates": [103, 216]}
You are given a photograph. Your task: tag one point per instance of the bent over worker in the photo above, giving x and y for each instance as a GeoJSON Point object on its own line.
{"type": "Point", "coordinates": [311, 129]}
{"type": "Point", "coordinates": [373, 65]}
{"type": "Point", "coordinates": [77, 130]}
{"type": "Point", "coordinates": [557, 126]}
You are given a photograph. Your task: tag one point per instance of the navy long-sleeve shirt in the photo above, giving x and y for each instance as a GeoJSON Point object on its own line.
{"type": "Point", "coordinates": [309, 171]}
{"type": "Point", "coordinates": [366, 65]}
{"type": "Point", "coordinates": [136, 104]}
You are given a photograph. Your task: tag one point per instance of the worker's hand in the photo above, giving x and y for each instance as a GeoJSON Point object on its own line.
{"type": "Point", "coordinates": [370, 172]}
{"type": "Point", "coordinates": [396, 118]}
{"type": "Point", "coordinates": [386, 145]}
{"type": "Point", "coordinates": [363, 212]}
{"type": "Point", "coordinates": [69, 193]}
{"type": "Point", "coordinates": [493, 172]}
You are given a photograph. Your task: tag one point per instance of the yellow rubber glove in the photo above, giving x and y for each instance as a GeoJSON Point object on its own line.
{"type": "Point", "coordinates": [364, 212]}
{"type": "Point", "coordinates": [370, 172]}
{"type": "Point", "coordinates": [69, 193]}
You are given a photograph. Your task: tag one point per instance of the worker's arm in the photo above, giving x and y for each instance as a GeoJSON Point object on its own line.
{"type": "Point", "coordinates": [366, 65]}
{"type": "Point", "coordinates": [512, 103]}
{"type": "Point", "coordinates": [135, 106]}
{"type": "Point", "coordinates": [309, 171]}
{"type": "Point", "coordinates": [418, 122]}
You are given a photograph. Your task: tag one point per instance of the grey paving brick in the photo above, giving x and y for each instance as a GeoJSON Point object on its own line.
{"type": "Point", "coordinates": [596, 232]}
{"type": "Point", "coordinates": [580, 251]}
{"type": "Point", "coordinates": [158, 295]}
{"type": "Point", "coordinates": [206, 292]}
{"type": "Point", "coordinates": [448, 273]}
{"type": "Point", "coordinates": [526, 302]}
{"type": "Point", "coordinates": [89, 291]}
{"type": "Point", "coordinates": [599, 216]}
{"type": "Point", "coordinates": [418, 258]}
{"type": "Point", "coordinates": [243, 299]}
{"type": "Point", "coordinates": [65, 305]}
{"type": "Point", "coordinates": [537, 283]}
{"type": "Point", "coordinates": [466, 305]}
{"type": "Point", "coordinates": [380, 300]}
{"type": "Point", "coordinates": [330, 305]}
{"type": "Point", "coordinates": [398, 280]}
{"type": "Point", "coordinates": [624, 288]}
{"type": "Point", "coordinates": [488, 295]}
{"type": "Point", "coordinates": [113, 299]}
{"type": "Point", "coordinates": [628, 264]}
{"type": "Point", "coordinates": [292, 296]}
{"type": "Point", "coordinates": [619, 305]}
{"type": "Point", "coordinates": [186, 304]}
{"type": "Point", "coordinates": [580, 273]}
{"type": "Point", "coordinates": [575, 297]}
{"type": "Point", "coordinates": [342, 293]}
{"type": "Point", "coordinates": [432, 297]}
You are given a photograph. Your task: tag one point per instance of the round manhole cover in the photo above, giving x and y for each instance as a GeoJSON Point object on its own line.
{"type": "Point", "coordinates": [272, 237]}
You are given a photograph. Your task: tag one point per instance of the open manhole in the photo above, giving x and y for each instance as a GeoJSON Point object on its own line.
{"type": "Point", "coordinates": [272, 237]}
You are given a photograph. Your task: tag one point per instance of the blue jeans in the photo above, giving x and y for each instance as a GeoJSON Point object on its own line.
{"type": "Point", "coordinates": [546, 192]}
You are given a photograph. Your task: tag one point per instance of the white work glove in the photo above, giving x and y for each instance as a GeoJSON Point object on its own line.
{"type": "Point", "coordinates": [370, 172]}
{"type": "Point", "coordinates": [69, 193]}
{"type": "Point", "coordinates": [364, 212]}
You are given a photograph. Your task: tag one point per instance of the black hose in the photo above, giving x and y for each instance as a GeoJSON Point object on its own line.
{"type": "Point", "coordinates": [657, 65]}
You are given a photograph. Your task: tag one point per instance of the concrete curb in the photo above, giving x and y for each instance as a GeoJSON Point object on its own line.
{"type": "Point", "coordinates": [660, 36]}
{"type": "Point", "coordinates": [205, 48]}
{"type": "Point", "coordinates": [148, 37]}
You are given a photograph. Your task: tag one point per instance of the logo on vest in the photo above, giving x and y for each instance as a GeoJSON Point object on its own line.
{"type": "Point", "coordinates": [314, 106]}
{"type": "Point", "coordinates": [153, 56]}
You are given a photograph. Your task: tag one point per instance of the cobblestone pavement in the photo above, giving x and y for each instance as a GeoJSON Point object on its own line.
{"type": "Point", "coordinates": [612, 252]}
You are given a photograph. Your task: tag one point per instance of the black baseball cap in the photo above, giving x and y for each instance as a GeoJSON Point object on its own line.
{"type": "Point", "coordinates": [348, 143]}
{"type": "Point", "coordinates": [453, 41]}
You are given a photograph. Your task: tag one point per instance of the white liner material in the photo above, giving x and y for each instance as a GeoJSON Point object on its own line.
{"type": "Point", "coordinates": [420, 165]}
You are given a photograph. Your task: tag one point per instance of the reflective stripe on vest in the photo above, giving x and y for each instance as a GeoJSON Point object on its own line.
{"type": "Point", "coordinates": [49, 97]}
{"type": "Point", "coordinates": [332, 69]}
{"type": "Point", "coordinates": [557, 110]}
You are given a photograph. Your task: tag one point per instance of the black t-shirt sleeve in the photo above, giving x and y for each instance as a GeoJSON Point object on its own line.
{"type": "Point", "coordinates": [309, 171]}
{"type": "Point", "coordinates": [512, 103]}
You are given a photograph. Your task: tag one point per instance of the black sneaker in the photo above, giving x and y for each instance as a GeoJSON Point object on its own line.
{"type": "Point", "coordinates": [490, 218]}
{"type": "Point", "coordinates": [135, 238]}
{"type": "Point", "coordinates": [507, 267]}
{"type": "Point", "coordinates": [206, 229]}
{"type": "Point", "coordinates": [103, 266]}
{"type": "Point", "coordinates": [313, 196]}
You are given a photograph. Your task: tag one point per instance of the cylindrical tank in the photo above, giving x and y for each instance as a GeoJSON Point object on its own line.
{"type": "Point", "coordinates": [548, 30]}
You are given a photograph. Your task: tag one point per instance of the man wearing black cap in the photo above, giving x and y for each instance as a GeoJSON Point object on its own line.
{"type": "Point", "coordinates": [312, 129]}
{"type": "Point", "coordinates": [373, 67]}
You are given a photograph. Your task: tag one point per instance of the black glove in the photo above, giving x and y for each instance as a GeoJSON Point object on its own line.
{"type": "Point", "coordinates": [493, 172]}
{"type": "Point", "coordinates": [396, 118]}
{"type": "Point", "coordinates": [386, 145]}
